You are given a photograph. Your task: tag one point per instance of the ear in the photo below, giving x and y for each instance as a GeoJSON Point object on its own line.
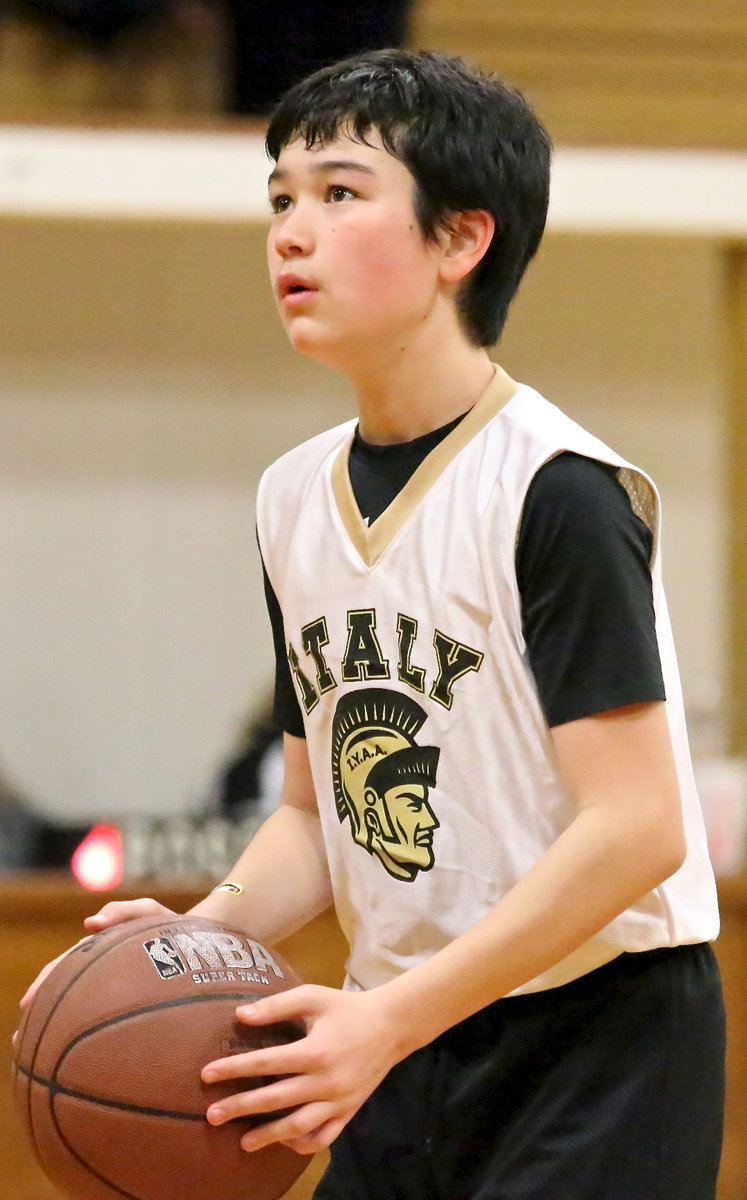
{"type": "Point", "coordinates": [373, 826]}
{"type": "Point", "coordinates": [464, 240]}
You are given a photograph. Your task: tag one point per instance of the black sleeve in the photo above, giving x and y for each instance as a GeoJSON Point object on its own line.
{"type": "Point", "coordinates": [286, 709]}
{"type": "Point", "coordinates": [583, 569]}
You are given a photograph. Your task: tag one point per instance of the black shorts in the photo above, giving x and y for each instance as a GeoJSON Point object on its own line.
{"type": "Point", "coordinates": [609, 1088]}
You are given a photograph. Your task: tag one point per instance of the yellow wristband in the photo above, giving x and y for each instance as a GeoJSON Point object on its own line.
{"type": "Point", "coordinates": [229, 886]}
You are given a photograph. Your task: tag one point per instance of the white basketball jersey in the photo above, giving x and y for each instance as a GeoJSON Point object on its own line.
{"type": "Point", "coordinates": [431, 757]}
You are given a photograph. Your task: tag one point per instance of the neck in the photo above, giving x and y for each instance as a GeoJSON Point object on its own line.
{"type": "Point", "coordinates": [410, 395]}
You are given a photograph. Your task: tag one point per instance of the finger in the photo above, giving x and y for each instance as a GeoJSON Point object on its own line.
{"type": "Point", "coordinates": [283, 1094]}
{"type": "Point", "coordinates": [295, 1003]}
{"type": "Point", "coordinates": [31, 991]}
{"type": "Point", "coordinates": [287, 1059]}
{"type": "Point", "coordinates": [320, 1139]}
{"type": "Point", "coordinates": [299, 1124]}
{"type": "Point", "coordinates": [116, 912]}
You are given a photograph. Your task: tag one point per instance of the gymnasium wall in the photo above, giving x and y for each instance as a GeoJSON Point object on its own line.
{"type": "Point", "coordinates": [144, 384]}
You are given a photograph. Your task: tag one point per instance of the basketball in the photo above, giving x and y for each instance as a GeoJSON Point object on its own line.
{"type": "Point", "coordinates": [108, 1058]}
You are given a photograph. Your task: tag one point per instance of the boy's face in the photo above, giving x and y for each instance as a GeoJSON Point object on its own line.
{"type": "Point", "coordinates": [352, 274]}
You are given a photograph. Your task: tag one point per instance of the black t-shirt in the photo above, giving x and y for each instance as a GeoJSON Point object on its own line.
{"type": "Point", "coordinates": [582, 566]}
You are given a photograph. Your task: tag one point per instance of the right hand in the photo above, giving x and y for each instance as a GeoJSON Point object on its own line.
{"type": "Point", "coordinates": [116, 912]}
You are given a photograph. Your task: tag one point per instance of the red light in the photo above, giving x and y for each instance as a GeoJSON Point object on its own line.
{"type": "Point", "coordinates": [97, 863]}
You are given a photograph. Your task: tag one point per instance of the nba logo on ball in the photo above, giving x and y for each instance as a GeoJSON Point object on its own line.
{"type": "Point", "coordinates": [165, 957]}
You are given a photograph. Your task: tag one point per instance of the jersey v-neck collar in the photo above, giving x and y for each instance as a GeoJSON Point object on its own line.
{"type": "Point", "coordinates": [370, 541]}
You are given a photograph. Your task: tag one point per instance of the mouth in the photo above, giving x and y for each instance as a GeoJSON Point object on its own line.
{"type": "Point", "coordinates": [291, 286]}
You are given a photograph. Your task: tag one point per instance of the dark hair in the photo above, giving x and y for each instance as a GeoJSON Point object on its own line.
{"type": "Point", "coordinates": [469, 140]}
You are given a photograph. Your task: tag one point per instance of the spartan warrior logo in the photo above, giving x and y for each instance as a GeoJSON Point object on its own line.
{"type": "Point", "coordinates": [382, 777]}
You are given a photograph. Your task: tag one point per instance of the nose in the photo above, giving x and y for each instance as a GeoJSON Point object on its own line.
{"type": "Point", "coordinates": [292, 235]}
{"type": "Point", "coordinates": [428, 819]}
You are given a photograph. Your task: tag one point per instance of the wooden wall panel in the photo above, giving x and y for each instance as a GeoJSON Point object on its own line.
{"type": "Point", "coordinates": [170, 73]}
{"type": "Point", "coordinates": [736, 262]}
{"type": "Point", "coordinates": [649, 72]}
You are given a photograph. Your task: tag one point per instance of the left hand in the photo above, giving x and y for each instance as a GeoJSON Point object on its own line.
{"type": "Point", "coordinates": [349, 1047]}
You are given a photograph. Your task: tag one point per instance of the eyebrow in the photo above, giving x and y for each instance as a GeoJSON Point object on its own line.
{"type": "Point", "coordinates": [330, 164]}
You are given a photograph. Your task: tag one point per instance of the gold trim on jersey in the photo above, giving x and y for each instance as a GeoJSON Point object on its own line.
{"type": "Point", "coordinates": [372, 540]}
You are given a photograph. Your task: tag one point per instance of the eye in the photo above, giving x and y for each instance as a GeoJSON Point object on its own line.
{"type": "Point", "coordinates": [338, 192]}
{"type": "Point", "coordinates": [280, 203]}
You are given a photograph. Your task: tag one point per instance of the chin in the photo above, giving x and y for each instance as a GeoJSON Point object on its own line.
{"type": "Point", "coordinates": [303, 336]}
{"type": "Point", "coordinates": [322, 349]}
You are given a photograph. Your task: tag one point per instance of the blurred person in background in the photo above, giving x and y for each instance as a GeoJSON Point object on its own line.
{"type": "Point", "coordinates": [20, 829]}
{"type": "Point", "coordinates": [99, 23]}
{"type": "Point", "coordinates": [251, 782]}
{"type": "Point", "coordinates": [28, 838]}
{"type": "Point", "coordinates": [260, 61]}
{"type": "Point", "coordinates": [315, 33]}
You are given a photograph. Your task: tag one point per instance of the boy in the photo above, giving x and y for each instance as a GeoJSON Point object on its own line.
{"type": "Point", "coordinates": [486, 763]}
